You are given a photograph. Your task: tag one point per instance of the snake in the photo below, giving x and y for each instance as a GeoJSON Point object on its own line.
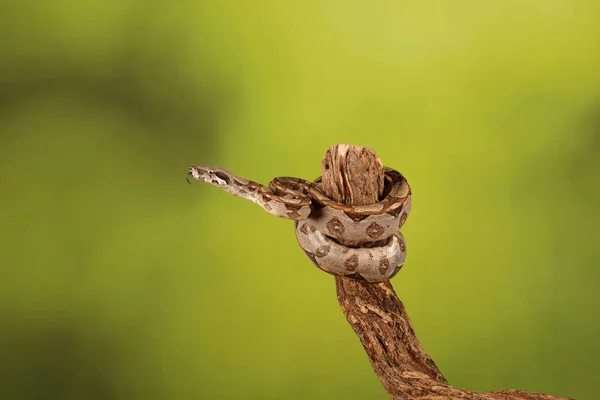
{"type": "Point", "coordinates": [362, 242]}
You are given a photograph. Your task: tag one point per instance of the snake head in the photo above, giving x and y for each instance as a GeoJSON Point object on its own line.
{"type": "Point", "coordinates": [213, 175]}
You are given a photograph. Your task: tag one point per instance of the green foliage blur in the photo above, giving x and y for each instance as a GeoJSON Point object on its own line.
{"type": "Point", "coordinates": [120, 281]}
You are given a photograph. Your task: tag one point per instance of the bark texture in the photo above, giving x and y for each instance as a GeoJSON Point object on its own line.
{"type": "Point", "coordinates": [354, 175]}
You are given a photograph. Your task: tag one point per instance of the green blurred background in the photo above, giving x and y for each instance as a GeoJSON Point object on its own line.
{"type": "Point", "coordinates": [120, 281]}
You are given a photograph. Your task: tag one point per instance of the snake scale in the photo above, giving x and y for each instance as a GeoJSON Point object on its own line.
{"type": "Point", "coordinates": [322, 224]}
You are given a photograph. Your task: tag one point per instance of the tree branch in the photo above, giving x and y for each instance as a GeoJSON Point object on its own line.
{"type": "Point", "coordinates": [354, 175]}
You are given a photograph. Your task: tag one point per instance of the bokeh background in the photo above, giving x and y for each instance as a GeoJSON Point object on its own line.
{"type": "Point", "coordinates": [120, 281]}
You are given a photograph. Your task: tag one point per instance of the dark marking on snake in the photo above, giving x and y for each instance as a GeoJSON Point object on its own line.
{"type": "Point", "coordinates": [396, 211]}
{"type": "Point", "coordinates": [312, 257]}
{"type": "Point", "coordinates": [351, 262]}
{"type": "Point", "coordinates": [402, 244]}
{"type": "Point", "coordinates": [357, 217]}
{"type": "Point", "coordinates": [384, 265]}
{"type": "Point", "coordinates": [304, 229]}
{"type": "Point", "coordinates": [223, 176]}
{"type": "Point", "coordinates": [403, 218]}
{"type": "Point", "coordinates": [293, 213]}
{"type": "Point", "coordinates": [322, 251]}
{"type": "Point", "coordinates": [335, 226]}
{"type": "Point", "coordinates": [374, 230]}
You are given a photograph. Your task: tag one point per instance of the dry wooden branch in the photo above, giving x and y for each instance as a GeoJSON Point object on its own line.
{"type": "Point", "coordinates": [354, 175]}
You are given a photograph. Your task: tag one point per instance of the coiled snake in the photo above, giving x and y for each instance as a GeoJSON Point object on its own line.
{"type": "Point", "coordinates": [322, 225]}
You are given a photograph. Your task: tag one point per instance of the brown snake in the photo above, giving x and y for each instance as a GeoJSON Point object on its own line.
{"type": "Point", "coordinates": [322, 223]}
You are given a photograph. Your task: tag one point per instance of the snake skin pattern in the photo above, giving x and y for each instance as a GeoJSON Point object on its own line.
{"type": "Point", "coordinates": [322, 223]}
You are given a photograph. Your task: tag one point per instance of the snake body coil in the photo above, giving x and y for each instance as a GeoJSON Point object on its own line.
{"type": "Point", "coordinates": [322, 224]}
